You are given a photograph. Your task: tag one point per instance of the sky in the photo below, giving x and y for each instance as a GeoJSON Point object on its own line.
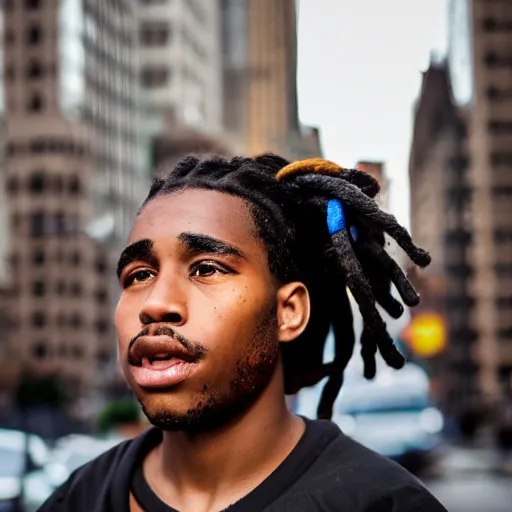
{"type": "Point", "coordinates": [360, 64]}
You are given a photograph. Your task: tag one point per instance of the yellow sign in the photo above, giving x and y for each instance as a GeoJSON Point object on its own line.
{"type": "Point", "coordinates": [426, 334]}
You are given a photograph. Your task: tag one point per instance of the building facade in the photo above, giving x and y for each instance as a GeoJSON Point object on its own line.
{"type": "Point", "coordinates": [181, 67]}
{"type": "Point", "coordinates": [441, 223]}
{"type": "Point", "coordinates": [74, 179]}
{"type": "Point", "coordinates": [259, 47]}
{"type": "Point", "coordinates": [481, 63]}
{"type": "Point", "coordinates": [377, 170]}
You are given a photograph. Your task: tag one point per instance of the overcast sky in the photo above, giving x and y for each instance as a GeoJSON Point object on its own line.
{"type": "Point", "coordinates": [360, 64]}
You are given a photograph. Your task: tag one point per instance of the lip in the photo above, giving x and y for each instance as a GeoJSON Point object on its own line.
{"type": "Point", "coordinates": [150, 373]}
{"type": "Point", "coordinates": [162, 375]}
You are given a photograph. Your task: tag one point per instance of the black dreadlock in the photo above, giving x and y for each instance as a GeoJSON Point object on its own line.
{"type": "Point", "coordinates": [289, 204]}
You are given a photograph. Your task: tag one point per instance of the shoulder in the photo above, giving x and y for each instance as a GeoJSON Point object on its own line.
{"type": "Point", "coordinates": [350, 474]}
{"type": "Point", "coordinates": [91, 485]}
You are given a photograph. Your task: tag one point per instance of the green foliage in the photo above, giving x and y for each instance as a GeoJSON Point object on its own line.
{"type": "Point", "coordinates": [118, 413]}
{"type": "Point", "coordinates": [33, 391]}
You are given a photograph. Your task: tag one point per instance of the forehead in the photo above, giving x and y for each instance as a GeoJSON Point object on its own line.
{"type": "Point", "coordinates": [205, 212]}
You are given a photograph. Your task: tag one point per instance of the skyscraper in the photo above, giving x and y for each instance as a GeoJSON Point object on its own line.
{"type": "Point", "coordinates": [440, 203]}
{"type": "Point", "coordinates": [480, 62]}
{"type": "Point", "coordinates": [74, 177]}
{"type": "Point", "coordinates": [181, 69]}
{"type": "Point", "coordinates": [260, 79]}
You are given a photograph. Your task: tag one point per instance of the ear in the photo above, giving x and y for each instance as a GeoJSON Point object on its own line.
{"type": "Point", "coordinates": [293, 310]}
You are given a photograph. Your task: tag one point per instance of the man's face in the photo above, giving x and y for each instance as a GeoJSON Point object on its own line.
{"type": "Point", "coordinates": [196, 321]}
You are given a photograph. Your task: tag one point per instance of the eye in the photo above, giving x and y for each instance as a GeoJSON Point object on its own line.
{"type": "Point", "coordinates": [207, 269]}
{"type": "Point", "coordinates": [138, 276]}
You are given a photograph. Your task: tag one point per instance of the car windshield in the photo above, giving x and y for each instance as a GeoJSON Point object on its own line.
{"type": "Point", "coordinates": [356, 401]}
{"type": "Point", "coordinates": [12, 462]}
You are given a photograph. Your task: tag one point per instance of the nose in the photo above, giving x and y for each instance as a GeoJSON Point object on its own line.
{"type": "Point", "coordinates": [165, 302]}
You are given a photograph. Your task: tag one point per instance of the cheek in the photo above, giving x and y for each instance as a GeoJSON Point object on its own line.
{"type": "Point", "coordinates": [233, 321]}
{"type": "Point", "coordinates": [126, 320]}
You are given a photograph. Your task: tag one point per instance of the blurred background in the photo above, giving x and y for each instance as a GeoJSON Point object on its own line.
{"type": "Point", "coordinates": [95, 95]}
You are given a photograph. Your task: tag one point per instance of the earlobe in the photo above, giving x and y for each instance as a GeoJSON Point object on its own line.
{"type": "Point", "coordinates": [293, 310]}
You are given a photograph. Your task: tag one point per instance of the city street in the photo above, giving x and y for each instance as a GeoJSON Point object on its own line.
{"type": "Point", "coordinates": [468, 482]}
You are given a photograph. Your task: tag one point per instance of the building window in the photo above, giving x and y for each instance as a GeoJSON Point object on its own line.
{"type": "Point", "coordinates": [496, 94]}
{"type": "Point", "coordinates": [36, 103]}
{"type": "Point", "coordinates": [9, 37]}
{"type": "Point", "coordinates": [76, 259]}
{"type": "Point", "coordinates": [78, 352]}
{"type": "Point", "coordinates": [500, 127]}
{"type": "Point", "coordinates": [13, 185]}
{"type": "Point", "coordinates": [459, 164]}
{"type": "Point", "coordinates": [494, 61]}
{"type": "Point", "coordinates": [34, 35]}
{"type": "Point", "coordinates": [37, 182]}
{"type": "Point", "coordinates": [54, 145]}
{"type": "Point", "coordinates": [58, 185]}
{"type": "Point", "coordinates": [504, 192]}
{"type": "Point", "coordinates": [494, 25]}
{"type": "Point", "coordinates": [76, 289]}
{"type": "Point", "coordinates": [16, 220]}
{"type": "Point", "coordinates": [32, 4]}
{"type": "Point", "coordinates": [461, 302]}
{"type": "Point", "coordinates": [38, 319]}
{"type": "Point", "coordinates": [12, 149]}
{"type": "Point", "coordinates": [34, 69]}
{"type": "Point", "coordinates": [502, 236]}
{"type": "Point", "coordinates": [37, 224]}
{"type": "Point", "coordinates": [154, 33]}
{"type": "Point", "coordinates": [103, 357]}
{"type": "Point", "coordinates": [39, 350]}
{"type": "Point", "coordinates": [10, 72]}
{"type": "Point", "coordinates": [501, 158]}
{"type": "Point", "coordinates": [60, 223]}
{"type": "Point", "coordinates": [101, 326]}
{"type": "Point", "coordinates": [76, 321]}
{"type": "Point", "coordinates": [39, 257]}
{"type": "Point", "coordinates": [38, 289]}
{"type": "Point", "coordinates": [154, 77]}
{"type": "Point", "coordinates": [101, 296]}
{"type": "Point", "coordinates": [503, 270]}
{"type": "Point", "coordinates": [505, 333]}
{"type": "Point", "coordinates": [101, 266]}
{"type": "Point", "coordinates": [458, 236]}
{"type": "Point", "coordinates": [459, 270]}
{"type": "Point", "coordinates": [60, 288]}
{"type": "Point", "coordinates": [74, 185]}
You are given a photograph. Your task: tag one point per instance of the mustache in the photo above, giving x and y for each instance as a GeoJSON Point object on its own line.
{"type": "Point", "coordinates": [196, 350]}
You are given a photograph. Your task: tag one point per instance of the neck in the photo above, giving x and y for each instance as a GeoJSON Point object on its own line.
{"type": "Point", "coordinates": [224, 465]}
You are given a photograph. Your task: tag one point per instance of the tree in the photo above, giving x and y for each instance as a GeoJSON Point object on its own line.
{"type": "Point", "coordinates": [118, 413]}
{"type": "Point", "coordinates": [40, 391]}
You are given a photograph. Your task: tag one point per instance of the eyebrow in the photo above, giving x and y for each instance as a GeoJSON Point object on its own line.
{"type": "Point", "coordinates": [138, 251]}
{"type": "Point", "coordinates": [207, 244]}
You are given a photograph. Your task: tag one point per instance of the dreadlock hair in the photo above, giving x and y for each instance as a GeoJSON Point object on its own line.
{"type": "Point", "coordinates": [292, 205]}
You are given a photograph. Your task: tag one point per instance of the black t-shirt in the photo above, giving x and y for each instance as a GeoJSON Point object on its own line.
{"type": "Point", "coordinates": [327, 471]}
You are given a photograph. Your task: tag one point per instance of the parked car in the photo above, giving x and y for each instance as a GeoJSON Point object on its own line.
{"type": "Point", "coordinates": [391, 415]}
{"type": "Point", "coordinates": [23, 480]}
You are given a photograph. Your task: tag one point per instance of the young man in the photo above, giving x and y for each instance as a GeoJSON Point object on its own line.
{"type": "Point", "coordinates": [231, 278]}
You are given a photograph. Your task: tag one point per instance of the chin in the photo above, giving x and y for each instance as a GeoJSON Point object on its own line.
{"type": "Point", "coordinates": [168, 415]}
{"type": "Point", "coordinates": [202, 413]}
